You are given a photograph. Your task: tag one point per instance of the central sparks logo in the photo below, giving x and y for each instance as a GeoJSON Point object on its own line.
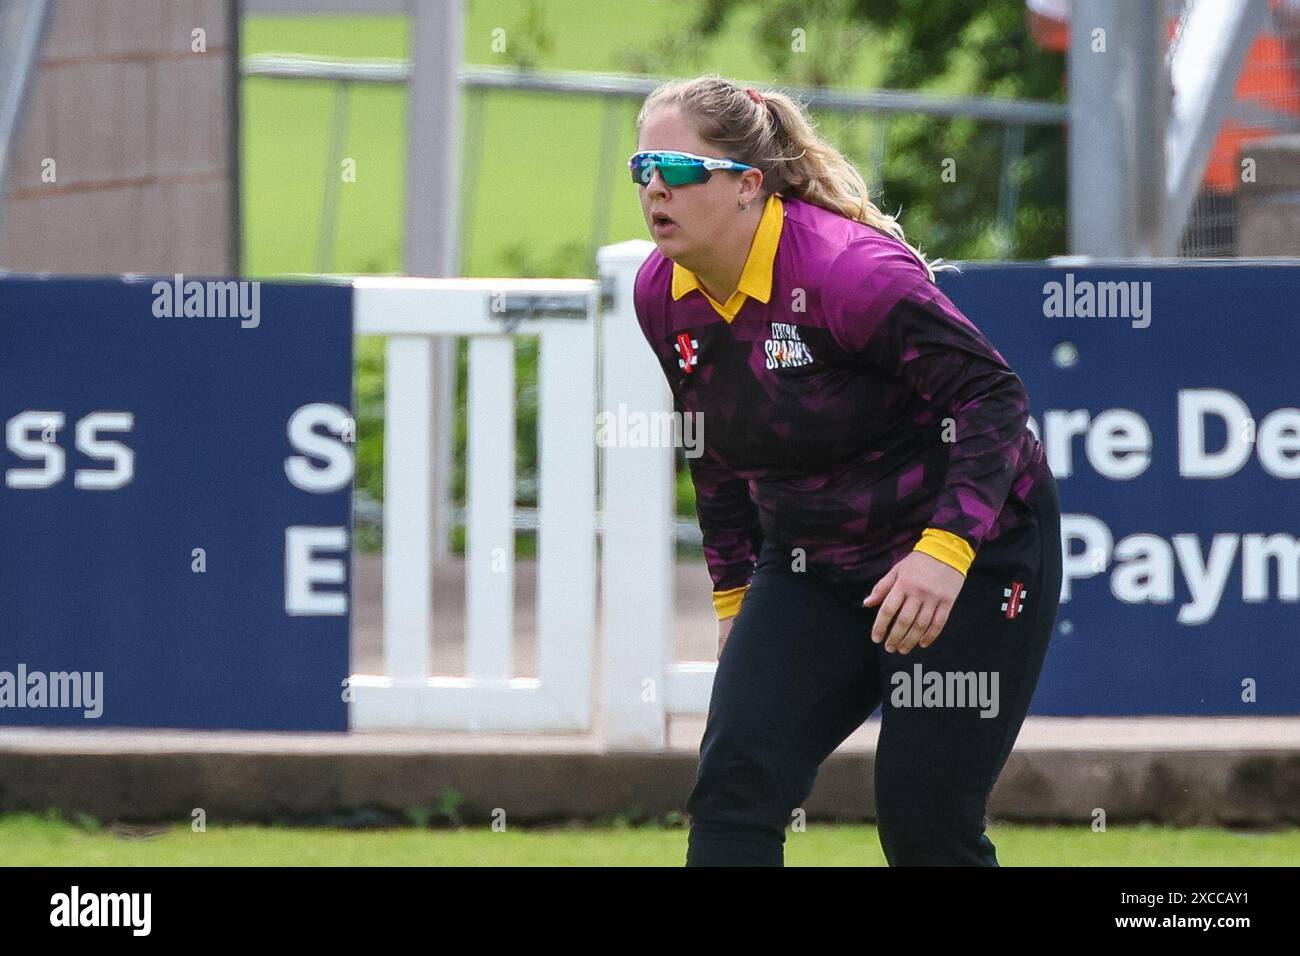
{"type": "Point", "coordinates": [784, 348]}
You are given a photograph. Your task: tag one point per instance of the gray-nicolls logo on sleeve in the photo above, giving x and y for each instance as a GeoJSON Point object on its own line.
{"type": "Point", "coordinates": [1015, 599]}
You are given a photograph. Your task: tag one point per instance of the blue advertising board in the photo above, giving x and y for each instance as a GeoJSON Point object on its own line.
{"type": "Point", "coordinates": [176, 510]}
{"type": "Point", "coordinates": [1166, 398]}
{"type": "Point", "coordinates": [175, 513]}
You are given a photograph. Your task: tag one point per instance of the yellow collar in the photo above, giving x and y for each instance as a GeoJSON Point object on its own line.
{"type": "Point", "coordinates": [756, 277]}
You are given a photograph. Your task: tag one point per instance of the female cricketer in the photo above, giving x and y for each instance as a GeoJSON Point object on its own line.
{"type": "Point", "coordinates": [880, 525]}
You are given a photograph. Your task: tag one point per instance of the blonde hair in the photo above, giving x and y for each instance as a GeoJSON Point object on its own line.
{"type": "Point", "coordinates": [777, 136]}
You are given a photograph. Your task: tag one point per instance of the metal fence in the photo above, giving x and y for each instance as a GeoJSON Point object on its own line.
{"type": "Point", "coordinates": [862, 121]}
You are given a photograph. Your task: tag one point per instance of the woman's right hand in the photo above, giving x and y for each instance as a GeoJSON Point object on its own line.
{"type": "Point", "coordinates": [724, 631]}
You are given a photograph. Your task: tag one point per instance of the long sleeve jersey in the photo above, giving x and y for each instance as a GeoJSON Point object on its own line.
{"type": "Point", "coordinates": [846, 407]}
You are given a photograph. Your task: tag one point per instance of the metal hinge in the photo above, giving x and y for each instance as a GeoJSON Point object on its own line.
{"type": "Point", "coordinates": [511, 309]}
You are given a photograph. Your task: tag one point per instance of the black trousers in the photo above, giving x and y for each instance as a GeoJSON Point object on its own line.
{"type": "Point", "coordinates": [799, 673]}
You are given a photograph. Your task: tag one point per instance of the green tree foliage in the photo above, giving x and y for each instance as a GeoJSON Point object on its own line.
{"type": "Point", "coordinates": [943, 46]}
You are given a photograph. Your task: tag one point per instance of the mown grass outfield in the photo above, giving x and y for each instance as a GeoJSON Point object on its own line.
{"type": "Point", "coordinates": [35, 841]}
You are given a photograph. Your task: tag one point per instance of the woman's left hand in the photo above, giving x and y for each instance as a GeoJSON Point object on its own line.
{"type": "Point", "coordinates": [915, 598]}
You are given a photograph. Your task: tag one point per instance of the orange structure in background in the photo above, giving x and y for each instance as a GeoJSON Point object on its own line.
{"type": "Point", "coordinates": [1269, 79]}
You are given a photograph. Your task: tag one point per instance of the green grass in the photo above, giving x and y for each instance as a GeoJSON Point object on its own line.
{"type": "Point", "coordinates": [530, 204]}
{"type": "Point", "coordinates": [34, 841]}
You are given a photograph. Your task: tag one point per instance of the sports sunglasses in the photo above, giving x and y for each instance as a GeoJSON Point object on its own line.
{"type": "Point", "coordinates": [677, 168]}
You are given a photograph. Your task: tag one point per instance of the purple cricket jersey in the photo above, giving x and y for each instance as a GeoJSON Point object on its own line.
{"type": "Point", "coordinates": [847, 413]}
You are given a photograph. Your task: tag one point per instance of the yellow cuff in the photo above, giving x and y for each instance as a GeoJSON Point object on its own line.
{"type": "Point", "coordinates": [727, 603]}
{"type": "Point", "coordinates": [947, 547]}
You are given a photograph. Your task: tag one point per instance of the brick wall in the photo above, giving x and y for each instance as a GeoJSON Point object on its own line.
{"type": "Point", "coordinates": [141, 130]}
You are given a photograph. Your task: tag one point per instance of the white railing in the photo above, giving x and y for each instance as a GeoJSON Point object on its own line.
{"type": "Point", "coordinates": [411, 313]}
{"type": "Point", "coordinates": [637, 505]}
{"type": "Point", "coordinates": [643, 682]}
{"type": "Point", "coordinates": [640, 683]}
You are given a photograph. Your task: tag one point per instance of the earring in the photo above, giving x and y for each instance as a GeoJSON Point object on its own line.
{"type": "Point", "coordinates": [744, 206]}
